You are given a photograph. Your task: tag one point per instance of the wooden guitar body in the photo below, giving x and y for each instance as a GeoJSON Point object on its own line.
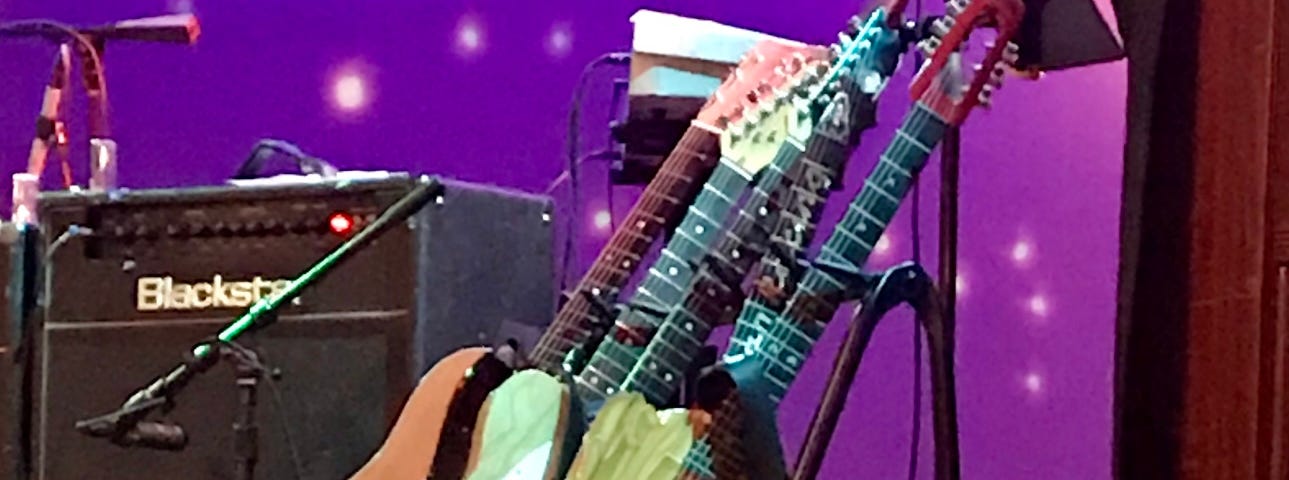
{"type": "Point", "coordinates": [434, 431]}
{"type": "Point", "coordinates": [529, 428]}
{"type": "Point", "coordinates": [630, 439]}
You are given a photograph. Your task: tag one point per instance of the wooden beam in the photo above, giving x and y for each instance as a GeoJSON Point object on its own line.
{"type": "Point", "coordinates": [1201, 354]}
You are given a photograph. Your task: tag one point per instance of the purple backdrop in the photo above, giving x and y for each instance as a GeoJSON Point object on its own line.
{"type": "Point", "coordinates": [478, 90]}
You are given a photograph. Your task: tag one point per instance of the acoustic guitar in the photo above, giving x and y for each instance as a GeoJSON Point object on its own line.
{"type": "Point", "coordinates": [509, 440]}
{"type": "Point", "coordinates": [841, 99]}
{"type": "Point", "coordinates": [776, 342]}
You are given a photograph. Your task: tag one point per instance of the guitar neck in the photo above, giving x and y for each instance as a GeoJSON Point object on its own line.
{"type": "Point", "coordinates": [655, 370]}
{"type": "Point", "coordinates": [668, 281]}
{"type": "Point", "coordinates": [794, 232]}
{"type": "Point", "coordinates": [661, 203]}
{"type": "Point", "coordinates": [786, 344]}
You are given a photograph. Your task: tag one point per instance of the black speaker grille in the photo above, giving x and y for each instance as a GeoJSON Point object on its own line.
{"type": "Point", "coordinates": [335, 375]}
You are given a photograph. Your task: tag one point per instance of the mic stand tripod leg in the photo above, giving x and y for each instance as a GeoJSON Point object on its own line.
{"type": "Point", "coordinates": [246, 431]}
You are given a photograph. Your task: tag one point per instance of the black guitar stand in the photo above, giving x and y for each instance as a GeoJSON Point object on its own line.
{"type": "Point", "coordinates": [907, 283]}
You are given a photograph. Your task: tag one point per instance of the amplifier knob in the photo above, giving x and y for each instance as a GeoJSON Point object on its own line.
{"type": "Point", "coordinates": [172, 230]}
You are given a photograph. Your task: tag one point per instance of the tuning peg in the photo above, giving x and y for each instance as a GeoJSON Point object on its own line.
{"type": "Point", "coordinates": [1011, 53]}
{"type": "Point", "coordinates": [854, 25]}
{"type": "Point", "coordinates": [797, 61]}
{"type": "Point", "coordinates": [953, 8]}
{"type": "Point", "coordinates": [986, 96]}
{"type": "Point", "coordinates": [940, 27]}
{"type": "Point", "coordinates": [929, 46]}
{"type": "Point", "coordinates": [834, 52]}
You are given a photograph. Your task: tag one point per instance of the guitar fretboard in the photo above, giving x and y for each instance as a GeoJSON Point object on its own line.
{"type": "Point", "coordinates": [676, 185]}
{"type": "Point", "coordinates": [669, 279]}
{"type": "Point", "coordinates": [655, 370]}
{"type": "Point", "coordinates": [788, 341]}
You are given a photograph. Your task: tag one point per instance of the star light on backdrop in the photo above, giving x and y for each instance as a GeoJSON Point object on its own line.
{"type": "Point", "coordinates": [181, 6]}
{"type": "Point", "coordinates": [560, 40]}
{"type": "Point", "coordinates": [883, 246]}
{"type": "Point", "coordinates": [1021, 253]}
{"type": "Point", "coordinates": [1038, 305]}
{"type": "Point", "coordinates": [350, 92]}
{"type": "Point", "coordinates": [603, 220]}
{"type": "Point", "coordinates": [1033, 383]}
{"type": "Point", "coordinates": [469, 37]}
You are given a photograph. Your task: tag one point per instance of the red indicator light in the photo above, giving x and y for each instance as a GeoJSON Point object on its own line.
{"type": "Point", "coordinates": [341, 223]}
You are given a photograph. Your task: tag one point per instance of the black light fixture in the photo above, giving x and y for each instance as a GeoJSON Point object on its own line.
{"type": "Point", "coordinates": [1062, 34]}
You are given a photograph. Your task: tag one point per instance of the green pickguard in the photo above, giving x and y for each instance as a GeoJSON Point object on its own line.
{"type": "Point", "coordinates": [520, 427]}
{"type": "Point", "coordinates": [630, 439]}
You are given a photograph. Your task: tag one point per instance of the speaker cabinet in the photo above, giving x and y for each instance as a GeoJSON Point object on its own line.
{"type": "Point", "coordinates": [125, 302]}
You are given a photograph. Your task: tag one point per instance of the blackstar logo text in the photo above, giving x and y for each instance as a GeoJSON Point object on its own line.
{"type": "Point", "coordinates": [164, 293]}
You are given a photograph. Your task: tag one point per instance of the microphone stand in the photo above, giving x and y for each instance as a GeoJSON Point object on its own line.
{"type": "Point", "coordinates": [126, 427]}
{"type": "Point", "coordinates": [102, 171]}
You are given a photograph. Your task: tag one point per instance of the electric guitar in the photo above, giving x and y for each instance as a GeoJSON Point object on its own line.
{"type": "Point", "coordinates": [775, 343]}
{"type": "Point", "coordinates": [528, 443]}
{"type": "Point", "coordinates": [721, 450]}
{"type": "Point", "coordinates": [435, 431]}
{"type": "Point", "coordinates": [649, 357]}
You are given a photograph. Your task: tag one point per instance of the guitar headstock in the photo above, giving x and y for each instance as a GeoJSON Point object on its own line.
{"type": "Point", "coordinates": [864, 57]}
{"type": "Point", "coordinates": [759, 103]}
{"type": "Point", "coordinates": [939, 85]}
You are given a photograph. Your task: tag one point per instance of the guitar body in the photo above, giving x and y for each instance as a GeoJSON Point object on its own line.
{"type": "Point", "coordinates": [630, 439]}
{"type": "Point", "coordinates": [764, 453]}
{"type": "Point", "coordinates": [525, 423]}
{"type": "Point", "coordinates": [434, 431]}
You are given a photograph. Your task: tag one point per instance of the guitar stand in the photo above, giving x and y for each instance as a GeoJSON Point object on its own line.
{"type": "Point", "coordinates": [907, 283]}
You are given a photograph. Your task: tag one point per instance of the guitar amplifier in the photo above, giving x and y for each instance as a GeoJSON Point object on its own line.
{"type": "Point", "coordinates": [161, 270]}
